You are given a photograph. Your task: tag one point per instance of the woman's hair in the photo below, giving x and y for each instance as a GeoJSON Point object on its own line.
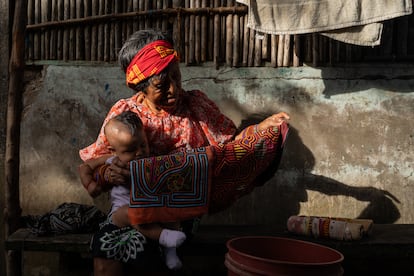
{"type": "Point", "coordinates": [134, 44]}
{"type": "Point", "coordinates": [131, 120]}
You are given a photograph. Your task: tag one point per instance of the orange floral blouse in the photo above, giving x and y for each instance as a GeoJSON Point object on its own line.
{"type": "Point", "coordinates": [196, 122]}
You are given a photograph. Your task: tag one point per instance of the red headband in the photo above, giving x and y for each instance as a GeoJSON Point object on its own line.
{"type": "Point", "coordinates": [149, 61]}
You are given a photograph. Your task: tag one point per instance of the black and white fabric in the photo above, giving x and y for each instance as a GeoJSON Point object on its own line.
{"type": "Point", "coordinates": [66, 218]}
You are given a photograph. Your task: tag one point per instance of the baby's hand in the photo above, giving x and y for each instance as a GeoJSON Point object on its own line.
{"type": "Point", "coordinates": [274, 120]}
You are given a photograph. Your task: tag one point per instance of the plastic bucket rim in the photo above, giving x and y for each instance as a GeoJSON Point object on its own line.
{"type": "Point", "coordinates": [339, 260]}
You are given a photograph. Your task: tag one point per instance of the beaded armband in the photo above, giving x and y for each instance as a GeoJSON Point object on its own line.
{"type": "Point", "coordinates": [103, 177]}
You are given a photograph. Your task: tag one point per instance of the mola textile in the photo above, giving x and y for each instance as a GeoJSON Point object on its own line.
{"type": "Point", "coordinates": [188, 184]}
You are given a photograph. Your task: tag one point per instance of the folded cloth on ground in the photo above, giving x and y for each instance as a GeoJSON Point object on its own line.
{"type": "Point", "coordinates": [351, 21]}
{"type": "Point", "coordinates": [65, 219]}
{"type": "Point", "coordinates": [327, 227]}
{"type": "Point", "coordinates": [189, 184]}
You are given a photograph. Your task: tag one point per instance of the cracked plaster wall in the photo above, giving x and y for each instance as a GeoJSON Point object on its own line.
{"type": "Point", "coordinates": [349, 151]}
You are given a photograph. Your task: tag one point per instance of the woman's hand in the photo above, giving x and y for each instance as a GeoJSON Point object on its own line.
{"type": "Point", "coordinates": [273, 120]}
{"type": "Point", "coordinates": [86, 176]}
{"type": "Point", "coordinates": [118, 172]}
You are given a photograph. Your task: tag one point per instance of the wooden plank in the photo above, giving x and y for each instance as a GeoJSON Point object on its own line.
{"type": "Point", "coordinates": [24, 240]}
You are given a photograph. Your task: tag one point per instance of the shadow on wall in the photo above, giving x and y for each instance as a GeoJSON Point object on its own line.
{"type": "Point", "coordinates": [357, 79]}
{"type": "Point", "coordinates": [297, 158]}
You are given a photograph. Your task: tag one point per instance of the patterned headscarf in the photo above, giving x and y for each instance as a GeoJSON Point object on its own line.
{"type": "Point", "coordinates": [149, 61]}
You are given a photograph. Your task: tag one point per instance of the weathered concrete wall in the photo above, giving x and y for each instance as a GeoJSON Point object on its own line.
{"type": "Point", "coordinates": [349, 152]}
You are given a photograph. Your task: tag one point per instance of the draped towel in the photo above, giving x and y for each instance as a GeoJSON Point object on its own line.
{"type": "Point", "coordinates": [351, 21]}
{"type": "Point", "coordinates": [189, 184]}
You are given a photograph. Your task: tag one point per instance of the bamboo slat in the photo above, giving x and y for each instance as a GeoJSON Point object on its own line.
{"type": "Point", "coordinates": [258, 51]}
{"type": "Point", "coordinates": [53, 32]}
{"type": "Point", "coordinates": [217, 36]}
{"type": "Point", "coordinates": [30, 20]}
{"type": "Point", "coordinates": [197, 35]}
{"type": "Point", "coordinates": [203, 34]}
{"type": "Point", "coordinates": [229, 40]}
{"type": "Point", "coordinates": [246, 39]}
{"type": "Point", "coordinates": [87, 7]}
{"type": "Point", "coordinates": [286, 51]}
{"type": "Point", "coordinates": [66, 16]}
{"type": "Point", "coordinates": [80, 35]}
{"type": "Point", "coordinates": [72, 31]}
{"type": "Point", "coordinates": [296, 50]}
{"type": "Point", "coordinates": [100, 48]}
{"type": "Point", "coordinates": [280, 50]}
{"type": "Point", "coordinates": [94, 31]}
{"type": "Point", "coordinates": [273, 50]}
{"type": "Point", "coordinates": [315, 56]}
{"type": "Point", "coordinates": [250, 58]}
{"type": "Point", "coordinates": [236, 41]}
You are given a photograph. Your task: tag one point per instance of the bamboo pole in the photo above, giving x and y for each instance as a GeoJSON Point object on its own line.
{"type": "Point", "coordinates": [280, 50]}
{"type": "Point", "coordinates": [135, 7]}
{"type": "Point", "coordinates": [127, 15]}
{"type": "Point", "coordinates": [59, 42]}
{"type": "Point", "coordinates": [210, 48]}
{"type": "Point", "coordinates": [130, 8]}
{"type": "Point", "coordinates": [265, 47]}
{"type": "Point", "coordinates": [228, 36]}
{"type": "Point", "coordinates": [246, 38]}
{"type": "Point", "coordinates": [36, 38]}
{"type": "Point", "coordinates": [286, 51]}
{"type": "Point", "coordinates": [72, 31]}
{"type": "Point", "coordinates": [106, 32]}
{"type": "Point", "coordinates": [197, 34]}
{"type": "Point", "coordinates": [203, 34]}
{"type": "Point", "coordinates": [177, 29]}
{"type": "Point", "coordinates": [158, 6]}
{"type": "Point", "coordinates": [315, 56]}
{"type": "Point", "coordinates": [43, 40]}
{"type": "Point", "coordinates": [53, 32]}
{"type": "Point", "coordinates": [87, 29]}
{"type": "Point", "coordinates": [191, 36]}
{"type": "Point", "coordinates": [141, 8]}
{"type": "Point", "coordinates": [94, 31]}
{"type": "Point", "coordinates": [257, 51]}
{"type": "Point", "coordinates": [117, 31]}
{"type": "Point", "coordinates": [43, 18]}
{"type": "Point", "coordinates": [100, 47]}
{"type": "Point", "coordinates": [186, 31]}
{"type": "Point", "coordinates": [66, 16]}
{"type": "Point", "coordinates": [236, 41]}
{"type": "Point", "coordinates": [30, 20]}
{"type": "Point", "coordinates": [80, 35]}
{"type": "Point", "coordinates": [250, 59]}
{"type": "Point", "coordinates": [13, 210]}
{"type": "Point", "coordinates": [229, 40]}
{"type": "Point", "coordinates": [273, 50]}
{"type": "Point", "coordinates": [217, 36]}
{"type": "Point", "coordinates": [296, 50]}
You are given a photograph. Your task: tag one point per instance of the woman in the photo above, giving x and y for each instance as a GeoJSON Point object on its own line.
{"type": "Point", "coordinates": [173, 119]}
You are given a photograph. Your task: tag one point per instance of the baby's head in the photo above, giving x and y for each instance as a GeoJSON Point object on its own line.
{"type": "Point", "coordinates": [126, 137]}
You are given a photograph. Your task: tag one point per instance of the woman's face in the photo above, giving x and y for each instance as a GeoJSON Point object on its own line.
{"type": "Point", "coordinates": [164, 93]}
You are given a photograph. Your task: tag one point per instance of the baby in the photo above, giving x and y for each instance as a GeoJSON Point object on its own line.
{"type": "Point", "coordinates": [127, 140]}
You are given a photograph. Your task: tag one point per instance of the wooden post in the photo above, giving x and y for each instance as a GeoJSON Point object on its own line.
{"type": "Point", "coordinates": [5, 33]}
{"type": "Point", "coordinates": [13, 210]}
